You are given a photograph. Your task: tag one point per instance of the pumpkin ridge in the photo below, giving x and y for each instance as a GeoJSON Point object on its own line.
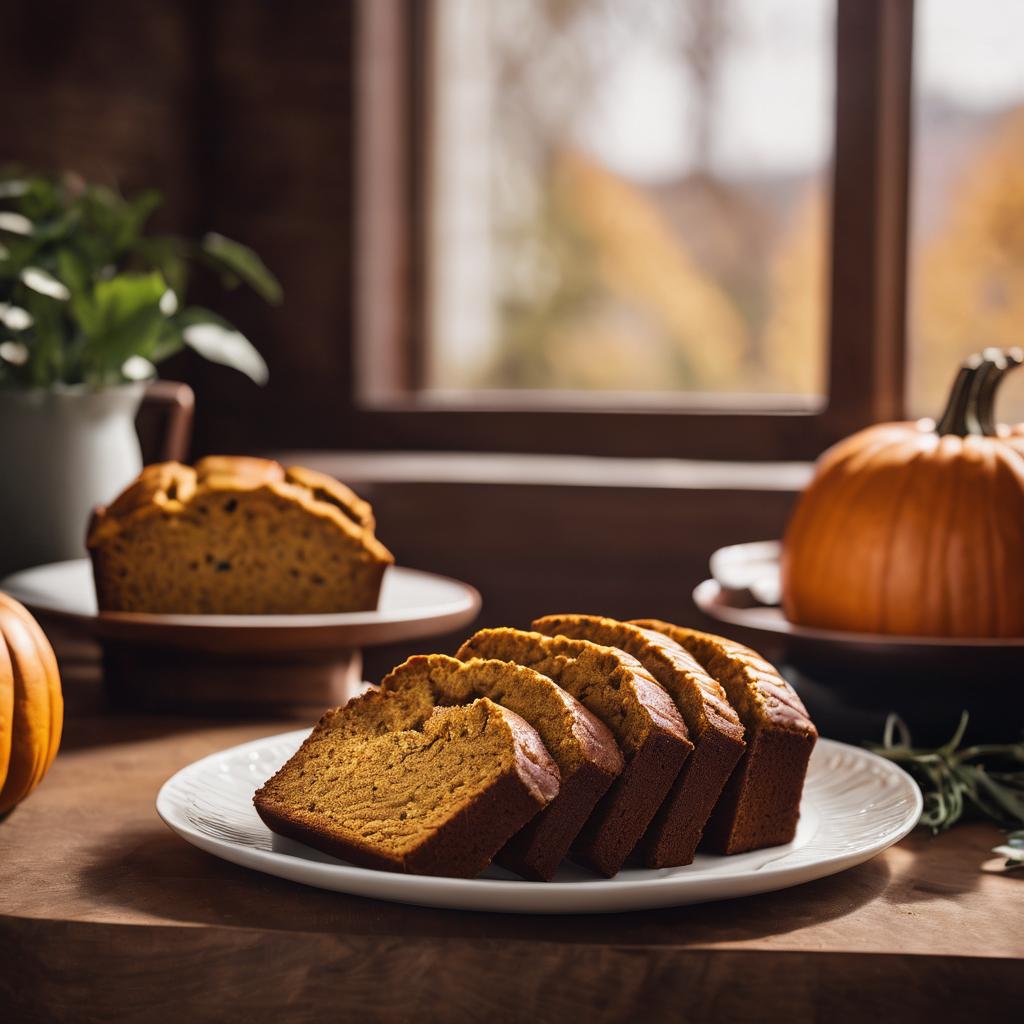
{"type": "Point", "coordinates": [31, 703]}
{"type": "Point", "coordinates": [934, 581]}
{"type": "Point", "coordinates": [27, 729]}
{"type": "Point", "coordinates": [6, 710]}
{"type": "Point", "coordinates": [998, 554]}
{"type": "Point", "coordinates": [984, 608]}
{"type": "Point", "coordinates": [846, 505]}
{"type": "Point", "coordinates": [52, 673]}
{"type": "Point", "coordinates": [888, 562]}
{"type": "Point", "coordinates": [875, 508]}
{"type": "Point", "coordinates": [1010, 476]}
{"type": "Point", "coordinates": [965, 557]}
{"type": "Point", "coordinates": [805, 562]}
{"type": "Point", "coordinates": [912, 537]}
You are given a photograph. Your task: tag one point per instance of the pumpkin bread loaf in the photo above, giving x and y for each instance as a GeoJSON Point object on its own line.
{"type": "Point", "coordinates": [713, 725]}
{"type": "Point", "coordinates": [760, 805]}
{"type": "Point", "coordinates": [582, 747]}
{"type": "Point", "coordinates": [389, 782]}
{"type": "Point", "coordinates": [236, 535]}
{"type": "Point", "coordinates": [640, 715]}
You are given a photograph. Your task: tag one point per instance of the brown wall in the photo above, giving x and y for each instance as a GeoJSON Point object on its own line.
{"type": "Point", "coordinates": [240, 112]}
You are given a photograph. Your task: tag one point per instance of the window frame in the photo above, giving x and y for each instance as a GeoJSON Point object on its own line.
{"type": "Point", "coordinates": [866, 329]}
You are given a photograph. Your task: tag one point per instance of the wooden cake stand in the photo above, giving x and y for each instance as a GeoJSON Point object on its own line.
{"type": "Point", "coordinates": [258, 663]}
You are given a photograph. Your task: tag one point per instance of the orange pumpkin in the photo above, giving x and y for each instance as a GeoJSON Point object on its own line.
{"type": "Point", "coordinates": [916, 528]}
{"type": "Point", "coordinates": [31, 704]}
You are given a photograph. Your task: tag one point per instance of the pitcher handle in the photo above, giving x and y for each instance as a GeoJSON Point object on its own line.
{"type": "Point", "coordinates": [174, 403]}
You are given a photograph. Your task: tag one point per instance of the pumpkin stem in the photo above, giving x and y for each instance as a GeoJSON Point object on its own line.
{"type": "Point", "coordinates": [998, 363]}
{"type": "Point", "coordinates": [960, 417]}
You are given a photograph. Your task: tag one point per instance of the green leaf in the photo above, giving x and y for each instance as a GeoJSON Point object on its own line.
{"type": "Point", "coordinates": [74, 272]}
{"type": "Point", "coordinates": [15, 223]}
{"type": "Point", "coordinates": [137, 335]}
{"type": "Point", "coordinates": [105, 221]}
{"type": "Point", "coordinates": [956, 780]}
{"type": "Point", "coordinates": [166, 254]}
{"type": "Point", "coordinates": [170, 343]}
{"type": "Point", "coordinates": [128, 322]}
{"type": "Point", "coordinates": [41, 199]}
{"type": "Point", "coordinates": [122, 297]}
{"type": "Point", "coordinates": [138, 368]}
{"type": "Point", "coordinates": [134, 215]}
{"type": "Point", "coordinates": [76, 267]}
{"type": "Point", "coordinates": [18, 254]}
{"type": "Point", "coordinates": [45, 283]}
{"type": "Point", "coordinates": [214, 339]}
{"type": "Point", "coordinates": [46, 344]}
{"type": "Point", "coordinates": [14, 352]}
{"type": "Point", "coordinates": [14, 318]}
{"type": "Point", "coordinates": [242, 261]}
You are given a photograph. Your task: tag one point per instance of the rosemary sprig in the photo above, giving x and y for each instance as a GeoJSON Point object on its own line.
{"type": "Point", "coordinates": [985, 779]}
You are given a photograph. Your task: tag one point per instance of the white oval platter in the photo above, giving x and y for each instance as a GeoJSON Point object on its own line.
{"type": "Point", "coordinates": [855, 805]}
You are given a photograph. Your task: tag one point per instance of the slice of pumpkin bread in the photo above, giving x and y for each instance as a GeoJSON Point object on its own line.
{"type": "Point", "coordinates": [236, 535]}
{"type": "Point", "coordinates": [761, 802]}
{"type": "Point", "coordinates": [714, 728]}
{"type": "Point", "coordinates": [582, 747]}
{"type": "Point", "coordinates": [389, 782]}
{"type": "Point", "coordinates": [640, 715]}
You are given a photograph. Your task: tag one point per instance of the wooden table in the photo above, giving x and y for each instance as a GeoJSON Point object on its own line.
{"type": "Point", "coordinates": [106, 915]}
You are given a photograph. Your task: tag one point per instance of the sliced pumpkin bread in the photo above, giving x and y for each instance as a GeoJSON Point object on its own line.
{"type": "Point", "coordinates": [581, 745]}
{"type": "Point", "coordinates": [761, 802]}
{"type": "Point", "coordinates": [236, 535]}
{"type": "Point", "coordinates": [714, 729]}
{"type": "Point", "coordinates": [390, 782]}
{"type": "Point", "coordinates": [645, 723]}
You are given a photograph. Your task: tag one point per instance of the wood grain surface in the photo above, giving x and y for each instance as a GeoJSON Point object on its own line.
{"type": "Point", "coordinates": [106, 915]}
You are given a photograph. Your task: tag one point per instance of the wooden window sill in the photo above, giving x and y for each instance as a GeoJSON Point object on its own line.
{"type": "Point", "coordinates": [553, 470]}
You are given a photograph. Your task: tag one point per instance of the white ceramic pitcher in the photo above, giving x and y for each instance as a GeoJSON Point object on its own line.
{"type": "Point", "coordinates": [63, 450]}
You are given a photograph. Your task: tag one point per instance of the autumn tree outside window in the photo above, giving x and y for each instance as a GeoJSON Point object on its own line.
{"type": "Point", "coordinates": [762, 310]}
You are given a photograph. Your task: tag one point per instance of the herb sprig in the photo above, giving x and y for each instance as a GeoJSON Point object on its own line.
{"type": "Point", "coordinates": [985, 779]}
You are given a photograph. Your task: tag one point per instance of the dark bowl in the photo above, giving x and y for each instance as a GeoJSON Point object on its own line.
{"type": "Point", "coordinates": [856, 679]}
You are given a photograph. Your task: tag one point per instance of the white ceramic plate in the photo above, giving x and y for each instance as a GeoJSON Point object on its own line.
{"type": "Point", "coordinates": [412, 604]}
{"type": "Point", "coordinates": [855, 805]}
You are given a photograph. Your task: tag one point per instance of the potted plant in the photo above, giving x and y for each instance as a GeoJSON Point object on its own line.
{"type": "Point", "coordinates": [89, 305]}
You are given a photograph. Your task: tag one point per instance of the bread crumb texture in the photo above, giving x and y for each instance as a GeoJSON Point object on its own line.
{"type": "Point", "coordinates": [387, 772]}
{"type": "Point", "coordinates": [566, 729]}
{"type": "Point", "coordinates": [608, 682]}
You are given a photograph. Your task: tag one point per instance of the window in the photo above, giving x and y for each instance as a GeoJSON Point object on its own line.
{"type": "Point", "coordinates": [967, 252]}
{"type": "Point", "coordinates": [629, 196]}
{"type": "Point", "coordinates": [684, 213]}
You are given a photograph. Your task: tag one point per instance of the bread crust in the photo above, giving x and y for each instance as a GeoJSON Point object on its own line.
{"type": "Point", "coordinates": [672, 838]}
{"type": "Point", "coordinates": [585, 751]}
{"type": "Point", "coordinates": [760, 805]}
{"type": "Point", "coordinates": [654, 743]}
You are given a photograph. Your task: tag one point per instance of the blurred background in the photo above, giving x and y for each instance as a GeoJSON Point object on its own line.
{"type": "Point", "coordinates": [574, 289]}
